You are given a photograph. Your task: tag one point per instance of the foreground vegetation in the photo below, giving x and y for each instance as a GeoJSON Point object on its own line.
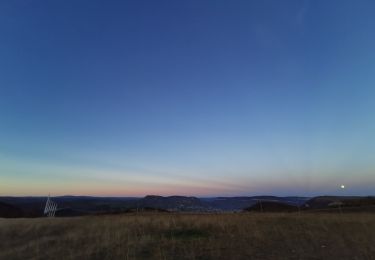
{"type": "Point", "coordinates": [191, 236]}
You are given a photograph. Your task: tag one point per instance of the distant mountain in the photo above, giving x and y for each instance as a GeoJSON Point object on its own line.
{"type": "Point", "coordinates": [31, 206]}
{"type": "Point", "coordinates": [172, 203]}
{"type": "Point", "coordinates": [229, 203]}
{"type": "Point", "coordinates": [85, 205]}
{"type": "Point", "coordinates": [349, 203]}
{"type": "Point", "coordinates": [71, 205]}
{"type": "Point", "coordinates": [239, 203]}
{"type": "Point", "coordinates": [9, 211]}
{"type": "Point", "coordinates": [272, 206]}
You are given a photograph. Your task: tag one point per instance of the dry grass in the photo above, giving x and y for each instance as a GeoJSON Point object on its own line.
{"type": "Point", "coordinates": [189, 236]}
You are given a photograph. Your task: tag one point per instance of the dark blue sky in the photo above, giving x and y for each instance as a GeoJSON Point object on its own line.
{"type": "Point", "coordinates": [189, 97]}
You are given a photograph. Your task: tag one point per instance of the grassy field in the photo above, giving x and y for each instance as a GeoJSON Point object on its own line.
{"type": "Point", "coordinates": [191, 236]}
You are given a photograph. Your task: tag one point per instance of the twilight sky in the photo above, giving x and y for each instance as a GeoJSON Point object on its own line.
{"type": "Point", "coordinates": [205, 98]}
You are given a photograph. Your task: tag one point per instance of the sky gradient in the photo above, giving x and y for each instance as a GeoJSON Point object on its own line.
{"type": "Point", "coordinates": [204, 98]}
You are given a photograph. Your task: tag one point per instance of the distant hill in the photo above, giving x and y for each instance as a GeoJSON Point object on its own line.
{"type": "Point", "coordinates": [272, 206]}
{"type": "Point", "coordinates": [344, 203]}
{"type": "Point", "coordinates": [172, 203]}
{"type": "Point", "coordinates": [71, 205]}
{"type": "Point", "coordinates": [229, 203]}
{"type": "Point", "coordinates": [9, 211]}
{"type": "Point", "coordinates": [86, 205]}
{"type": "Point", "coordinates": [239, 203]}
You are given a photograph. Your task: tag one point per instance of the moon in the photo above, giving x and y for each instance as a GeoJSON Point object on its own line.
{"type": "Point", "coordinates": [342, 186]}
